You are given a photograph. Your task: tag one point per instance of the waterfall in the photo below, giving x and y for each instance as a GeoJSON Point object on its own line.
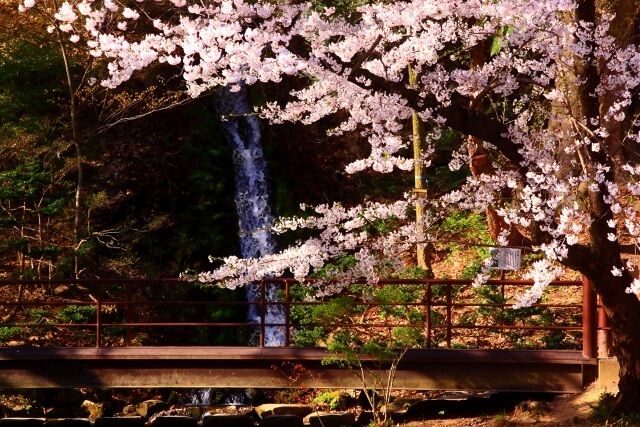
{"type": "Point", "coordinates": [242, 130]}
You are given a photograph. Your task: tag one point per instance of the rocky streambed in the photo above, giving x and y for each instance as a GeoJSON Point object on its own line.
{"type": "Point", "coordinates": [336, 409]}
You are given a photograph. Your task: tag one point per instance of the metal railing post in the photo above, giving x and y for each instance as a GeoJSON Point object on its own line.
{"type": "Point", "coordinates": [287, 314]}
{"type": "Point", "coordinates": [128, 294]}
{"type": "Point", "coordinates": [99, 315]}
{"type": "Point", "coordinates": [604, 333]}
{"type": "Point", "coordinates": [263, 311]}
{"type": "Point", "coordinates": [589, 319]}
{"type": "Point", "coordinates": [428, 317]}
{"type": "Point", "coordinates": [449, 315]}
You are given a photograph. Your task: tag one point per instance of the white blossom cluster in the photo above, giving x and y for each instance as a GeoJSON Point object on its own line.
{"type": "Point", "coordinates": [341, 231]}
{"type": "Point", "coordinates": [542, 273]}
{"type": "Point", "coordinates": [559, 170]}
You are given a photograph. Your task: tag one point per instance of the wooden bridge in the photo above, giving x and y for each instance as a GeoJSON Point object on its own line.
{"type": "Point", "coordinates": [115, 353]}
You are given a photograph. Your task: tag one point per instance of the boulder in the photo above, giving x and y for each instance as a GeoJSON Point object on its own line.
{"type": "Point", "coordinates": [22, 422]}
{"type": "Point", "coordinates": [365, 418]}
{"type": "Point", "coordinates": [287, 420]}
{"type": "Point", "coordinates": [150, 407]}
{"type": "Point", "coordinates": [71, 291]}
{"type": "Point", "coordinates": [68, 422]}
{"type": "Point", "coordinates": [174, 421]}
{"type": "Point", "coordinates": [227, 420]}
{"type": "Point", "coordinates": [129, 410]}
{"type": "Point", "coordinates": [283, 409]}
{"type": "Point", "coordinates": [56, 413]}
{"type": "Point", "coordinates": [96, 410]}
{"type": "Point", "coordinates": [326, 419]}
{"type": "Point", "coordinates": [335, 400]}
{"type": "Point", "coordinates": [398, 405]}
{"type": "Point", "coordinates": [364, 399]}
{"type": "Point", "coordinates": [118, 422]}
{"type": "Point", "coordinates": [16, 411]}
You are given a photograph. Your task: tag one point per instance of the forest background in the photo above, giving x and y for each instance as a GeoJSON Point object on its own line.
{"type": "Point", "coordinates": [154, 170]}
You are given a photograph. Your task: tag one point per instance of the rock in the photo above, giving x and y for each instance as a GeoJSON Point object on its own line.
{"type": "Point", "coordinates": [55, 413]}
{"type": "Point", "coordinates": [91, 409]}
{"type": "Point", "coordinates": [227, 409]}
{"type": "Point", "coordinates": [225, 420]}
{"type": "Point", "coordinates": [62, 398]}
{"type": "Point", "coordinates": [150, 407]}
{"type": "Point", "coordinates": [70, 291]}
{"type": "Point", "coordinates": [68, 422]}
{"type": "Point", "coordinates": [119, 422]}
{"type": "Point", "coordinates": [174, 421]}
{"type": "Point", "coordinates": [129, 410]}
{"type": "Point", "coordinates": [61, 290]}
{"type": "Point", "coordinates": [287, 420]}
{"type": "Point", "coordinates": [398, 405]}
{"type": "Point", "coordinates": [97, 410]}
{"type": "Point", "coordinates": [194, 411]}
{"type": "Point", "coordinates": [16, 411]}
{"type": "Point", "coordinates": [22, 422]}
{"type": "Point", "coordinates": [364, 399]}
{"type": "Point", "coordinates": [326, 419]}
{"type": "Point", "coordinates": [283, 409]}
{"type": "Point", "coordinates": [348, 418]}
{"type": "Point", "coordinates": [365, 418]}
{"type": "Point", "coordinates": [335, 400]}
{"type": "Point", "coordinates": [183, 412]}
{"type": "Point", "coordinates": [428, 408]}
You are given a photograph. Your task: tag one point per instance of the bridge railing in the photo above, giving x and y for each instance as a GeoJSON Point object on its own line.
{"type": "Point", "coordinates": [451, 314]}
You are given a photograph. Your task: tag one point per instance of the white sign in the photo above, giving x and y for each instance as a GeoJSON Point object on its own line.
{"type": "Point", "coordinates": [505, 258]}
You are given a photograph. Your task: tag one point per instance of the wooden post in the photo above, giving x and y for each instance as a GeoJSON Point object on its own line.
{"type": "Point", "coordinates": [604, 333]}
{"type": "Point", "coordinates": [589, 319]}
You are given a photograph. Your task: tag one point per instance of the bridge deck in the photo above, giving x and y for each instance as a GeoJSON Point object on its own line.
{"type": "Point", "coordinates": [248, 367]}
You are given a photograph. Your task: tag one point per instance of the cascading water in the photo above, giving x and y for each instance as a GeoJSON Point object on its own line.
{"type": "Point", "coordinates": [242, 131]}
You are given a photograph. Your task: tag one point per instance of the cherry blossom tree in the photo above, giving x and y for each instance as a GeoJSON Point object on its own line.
{"type": "Point", "coordinates": [551, 105]}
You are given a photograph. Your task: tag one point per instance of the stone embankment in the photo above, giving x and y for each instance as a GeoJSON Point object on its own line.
{"type": "Point", "coordinates": [157, 413]}
{"type": "Point", "coordinates": [153, 414]}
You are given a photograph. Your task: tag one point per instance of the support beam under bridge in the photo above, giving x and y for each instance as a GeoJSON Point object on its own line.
{"type": "Point", "coordinates": [247, 367]}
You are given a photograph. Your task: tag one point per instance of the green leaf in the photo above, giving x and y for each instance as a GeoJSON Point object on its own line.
{"type": "Point", "coordinates": [496, 46]}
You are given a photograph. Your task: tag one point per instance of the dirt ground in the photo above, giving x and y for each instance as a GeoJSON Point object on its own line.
{"type": "Point", "coordinates": [569, 410]}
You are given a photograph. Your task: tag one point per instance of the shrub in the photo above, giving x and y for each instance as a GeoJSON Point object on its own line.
{"type": "Point", "coordinates": [77, 314]}
{"type": "Point", "coordinates": [10, 332]}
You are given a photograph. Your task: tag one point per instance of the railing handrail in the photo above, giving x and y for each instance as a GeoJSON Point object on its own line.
{"type": "Point", "coordinates": [588, 325]}
{"type": "Point", "coordinates": [282, 280]}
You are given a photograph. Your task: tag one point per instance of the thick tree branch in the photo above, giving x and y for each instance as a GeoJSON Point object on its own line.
{"type": "Point", "coordinates": [458, 114]}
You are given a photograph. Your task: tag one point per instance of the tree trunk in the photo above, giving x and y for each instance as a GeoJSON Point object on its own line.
{"type": "Point", "coordinates": [623, 29]}
{"type": "Point", "coordinates": [623, 310]}
{"type": "Point", "coordinates": [78, 148]}
{"type": "Point", "coordinates": [423, 256]}
{"type": "Point", "coordinates": [598, 259]}
{"type": "Point", "coordinates": [597, 262]}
